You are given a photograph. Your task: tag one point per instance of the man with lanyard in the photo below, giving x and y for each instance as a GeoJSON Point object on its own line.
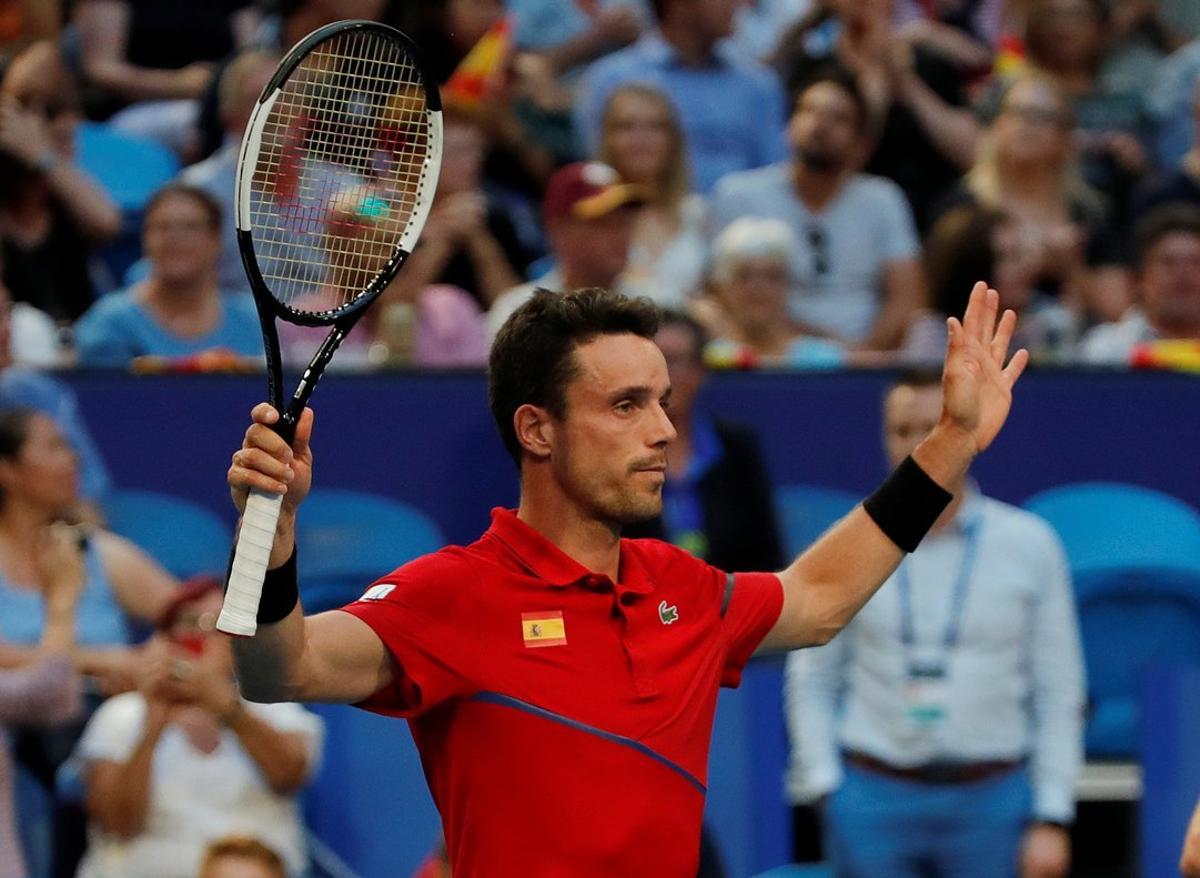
{"type": "Point", "coordinates": [943, 726]}
{"type": "Point", "coordinates": [560, 682]}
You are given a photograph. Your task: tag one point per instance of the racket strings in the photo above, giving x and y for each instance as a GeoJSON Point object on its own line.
{"type": "Point", "coordinates": [341, 166]}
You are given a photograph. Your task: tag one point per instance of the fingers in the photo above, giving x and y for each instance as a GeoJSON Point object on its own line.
{"type": "Point", "coordinates": [973, 317]}
{"type": "Point", "coordinates": [1016, 366]}
{"type": "Point", "coordinates": [303, 432]}
{"type": "Point", "coordinates": [1003, 337]}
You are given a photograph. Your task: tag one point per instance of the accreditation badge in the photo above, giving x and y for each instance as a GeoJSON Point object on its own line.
{"type": "Point", "coordinates": [926, 694]}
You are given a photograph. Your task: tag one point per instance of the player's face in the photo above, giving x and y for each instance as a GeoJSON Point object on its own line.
{"type": "Point", "coordinates": [909, 415]}
{"type": "Point", "coordinates": [610, 451]}
{"type": "Point", "coordinates": [44, 471]}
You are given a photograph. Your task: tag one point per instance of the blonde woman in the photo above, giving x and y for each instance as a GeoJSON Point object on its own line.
{"type": "Point", "coordinates": [1027, 167]}
{"type": "Point", "coordinates": [642, 140]}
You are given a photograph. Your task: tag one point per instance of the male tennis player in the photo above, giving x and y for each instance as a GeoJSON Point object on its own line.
{"type": "Point", "coordinates": [560, 682]}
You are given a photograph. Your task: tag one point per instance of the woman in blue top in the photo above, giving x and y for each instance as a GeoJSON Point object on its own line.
{"type": "Point", "coordinates": [178, 310]}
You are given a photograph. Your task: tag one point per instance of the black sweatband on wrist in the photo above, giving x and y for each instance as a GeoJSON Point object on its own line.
{"type": "Point", "coordinates": [281, 592]}
{"type": "Point", "coordinates": [907, 504]}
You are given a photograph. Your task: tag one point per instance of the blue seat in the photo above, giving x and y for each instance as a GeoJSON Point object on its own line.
{"type": "Point", "coordinates": [349, 539]}
{"type": "Point", "coordinates": [798, 870]}
{"type": "Point", "coordinates": [1105, 525]}
{"type": "Point", "coordinates": [806, 511]}
{"type": "Point", "coordinates": [1135, 560]}
{"type": "Point", "coordinates": [180, 534]}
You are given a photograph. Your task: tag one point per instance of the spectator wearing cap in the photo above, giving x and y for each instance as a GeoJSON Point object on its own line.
{"type": "Point", "coordinates": [178, 310]}
{"type": "Point", "coordinates": [714, 89]}
{"type": "Point", "coordinates": [589, 214]}
{"type": "Point", "coordinates": [858, 274]}
{"type": "Point", "coordinates": [185, 761]}
{"type": "Point", "coordinates": [1168, 283]}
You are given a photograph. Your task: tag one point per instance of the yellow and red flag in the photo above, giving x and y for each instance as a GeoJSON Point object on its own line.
{"type": "Point", "coordinates": [544, 629]}
{"type": "Point", "coordinates": [482, 72]}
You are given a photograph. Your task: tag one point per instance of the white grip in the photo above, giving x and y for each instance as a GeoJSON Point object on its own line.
{"type": "Point", "coordinates": [239, 613]}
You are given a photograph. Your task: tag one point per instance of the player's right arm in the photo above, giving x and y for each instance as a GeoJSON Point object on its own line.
{"type": "Point", "coordinates": [332, 657]}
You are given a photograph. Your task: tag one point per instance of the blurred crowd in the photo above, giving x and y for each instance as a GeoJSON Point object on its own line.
{"type": "Point", "coordinates": [803, 184]}
{"type": "Point", "coordinates": [817, 182]}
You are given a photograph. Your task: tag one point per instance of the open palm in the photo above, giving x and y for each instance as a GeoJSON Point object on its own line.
{"type": "Point", "coordinates": [976, 383]}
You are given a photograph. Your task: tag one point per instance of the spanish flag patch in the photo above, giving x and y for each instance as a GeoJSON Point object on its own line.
{"type": "Point", "coordinates": [544, 629]}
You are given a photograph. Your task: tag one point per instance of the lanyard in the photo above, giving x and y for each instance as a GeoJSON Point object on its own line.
{"type": "Point", "coordinates": [958, 601]}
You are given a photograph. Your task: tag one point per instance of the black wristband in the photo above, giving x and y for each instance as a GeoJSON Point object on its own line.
{"type": "Point", "coordinates": [907, 504]}
{"type": "Point", "coordinates": [280, 592]}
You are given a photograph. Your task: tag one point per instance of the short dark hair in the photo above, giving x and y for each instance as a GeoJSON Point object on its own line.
{"type": "Point", "coordinates": [1169, 219]}
{"type": "Point", "coordinates": [243, 848]}
{"type": "Point", "coordinates": [834, 74]}
{"type": "Point", "coordinates": [14, 432]}
{"type": "Point", "coordinates": [958, 252]}
{"type": "Point", "coordinates": [699, 335]}
{"type": "Point", "coordinates": [533, 358]}
{"type": "Point", "coordinates": [212, 207]}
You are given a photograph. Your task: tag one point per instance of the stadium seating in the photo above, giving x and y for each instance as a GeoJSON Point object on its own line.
{"type": "Point", "coordinates": [806, 511]}
{"type": "Point", "coordinates": [1135, 560]}
{"type": "Point", "coordinates": [351, 539]}
{"type": "Point", "coordinates": [180, 534]}
{"type": "Point", "coordinates": [798, 870]}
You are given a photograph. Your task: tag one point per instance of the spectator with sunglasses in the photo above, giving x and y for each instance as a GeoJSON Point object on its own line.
{"type": "Point", "coordinates": [859, 275]}
{"type": "Point", "coordinates": [51, 211]}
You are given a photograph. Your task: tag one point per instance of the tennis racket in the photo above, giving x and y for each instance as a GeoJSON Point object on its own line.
{"type": "Point", "coordinates": [335, 178]}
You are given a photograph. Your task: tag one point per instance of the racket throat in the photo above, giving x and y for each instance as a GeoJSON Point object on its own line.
{"type": "Point", "coordinates": [308, 380]}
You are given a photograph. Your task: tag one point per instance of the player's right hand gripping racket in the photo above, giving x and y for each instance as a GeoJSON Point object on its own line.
{"type": "Point", "coordinates": [335, 179]}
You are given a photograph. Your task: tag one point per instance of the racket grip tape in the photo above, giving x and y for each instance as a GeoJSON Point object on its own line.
{"type": "Point", "coordinates": [239, 613]}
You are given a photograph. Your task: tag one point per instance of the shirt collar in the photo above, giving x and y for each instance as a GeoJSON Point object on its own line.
{"type": "Point", "coordinates": [555, 567]}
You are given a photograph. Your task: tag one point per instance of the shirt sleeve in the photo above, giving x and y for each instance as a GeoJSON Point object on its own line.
{"type": "Point", "coordinates": [99, 341]}
{"type": "Point", "coordinates": [812, 680]}
{"type": "Point", "coordinates": [425, 621]}
{"type": "Point", "coordinates": [114, 729]}
{"type": "Point", "coordinates": [752, 606]}
{"type": "Point", "coordinates": [1058, 691]}
{"type": "Point", "coordinates": [47, 692]}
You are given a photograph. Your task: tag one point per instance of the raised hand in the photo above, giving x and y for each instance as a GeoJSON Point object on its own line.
{"type": "Point", "coordinates": [265, 461]}
{"type": "Point", "coordinates": [976, 381]}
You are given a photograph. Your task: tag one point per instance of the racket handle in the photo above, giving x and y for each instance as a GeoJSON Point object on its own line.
{"type": "Point", "coordinates": [239, 612]}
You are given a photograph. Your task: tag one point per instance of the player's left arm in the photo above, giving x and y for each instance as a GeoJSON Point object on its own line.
{"type": "Point", "coordinates": [833, 578]}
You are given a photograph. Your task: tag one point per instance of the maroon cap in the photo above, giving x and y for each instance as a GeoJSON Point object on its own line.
{"type": "Point", "coordinates": [588, 190]}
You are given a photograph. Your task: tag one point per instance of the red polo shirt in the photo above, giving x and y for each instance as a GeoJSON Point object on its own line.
{"type": "Point", "coordinates": [563, 720]}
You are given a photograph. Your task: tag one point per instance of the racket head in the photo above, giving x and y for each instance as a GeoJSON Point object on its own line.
{"type": "Point", "coordinates": [337, 172]}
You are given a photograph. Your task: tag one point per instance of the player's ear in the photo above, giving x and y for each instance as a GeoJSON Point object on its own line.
{"type": "Point", "coordinates": [535, 430]}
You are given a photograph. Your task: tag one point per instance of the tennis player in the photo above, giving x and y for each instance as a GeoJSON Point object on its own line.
{"type": "Point", "coordinates": [560, 682]}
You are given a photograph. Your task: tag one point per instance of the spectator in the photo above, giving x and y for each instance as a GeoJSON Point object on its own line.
{"type": "Point", "coordinates": [1067, 41]}
{"type": "Point", "coordinates": [971, 242]}
{"type": "Point", "coordinates": [23, 387]}
{"type": "Point", "coordinates": [589, 214]}
{"type": "Point", "coordinates": [759, 25]}
{"type": "Point", "coordinates": [241, 82]}
{"type": "Point", "coordinates": [684, 57]}
{"type": "Point", "coordinates": [717, 498]}
{"type": "Point", "coordinates": [468, 242]}
{"type": "Point", "coordinates": [178, 310]}
{"type": "Point", "coordinates": [28, 337]}
{"type": "Point", "coordinates": [1180, 183]}
{"type": "Point", "coordinates": [576, 32]}
{"type": "Point", "coordinates": [944, 724]}
{"type": "Point", "coordinates": [37, 487]}
{"type": "Point", "coordinates": [51, 211]}
{"type": "Point", "coordinates": [1168, 247]}
{"type": "Point", "coordinates": [241, 857]}
{"type": "Point", "coordinates": [1143, 33]}
{"type": "Point", "coordinates": [748, 311]}
{"type": "Point", "coordinates": [1028, 168]}
{"type": "Point", "coordinates": [642, 141]}
{"type": "Point", "coordinates": [155, 60]}
{"type": "Point", "coordinates": [1168, 96]}
{"type": "Point", "coordinates": [46, 690]}
{"type": "Point", "coordinates": [965, 32]}
{"type": "Point", "coordinates": [920, 132]}
{"type": "Point", "coordinates": [859, 276]}
{"type": "Point", "coordinates": [185, 761]}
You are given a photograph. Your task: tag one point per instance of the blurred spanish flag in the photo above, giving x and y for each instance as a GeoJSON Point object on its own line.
{"type": "Point", "coordinates": [482, 72]}
{"type": "Point", "coordinates": [1182, 355]}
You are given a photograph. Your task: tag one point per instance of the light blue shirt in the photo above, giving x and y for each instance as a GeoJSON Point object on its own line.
{"type": "Point", "coordinates": [544, 24]}
{"type": "Point", "coordinates": [217, 175]}
{"type": "Point", "coordinates": [1014, 682]}
{"type": "Point", "coordinates": [732, 109]}
{"type": "Point", "coordinates": [118, 328]}
{"type": "Point", "coordinates": [844, 250]}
